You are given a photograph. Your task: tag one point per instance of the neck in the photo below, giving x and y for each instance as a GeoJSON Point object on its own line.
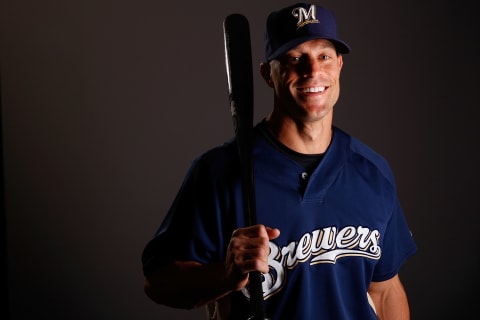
{"type": "Point", "coordinates": [302, 137]}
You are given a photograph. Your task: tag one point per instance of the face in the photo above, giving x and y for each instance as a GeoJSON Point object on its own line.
{"type": "Point", "coordinates": [306, 80]}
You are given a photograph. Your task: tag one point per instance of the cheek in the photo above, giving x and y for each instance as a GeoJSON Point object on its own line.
{"type": "Point", "coordinates": [335, 94]}
{"type": "Point", "coordinates": [280, 82]}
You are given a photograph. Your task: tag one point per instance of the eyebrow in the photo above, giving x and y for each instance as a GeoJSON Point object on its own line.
{"type": "Point", "coordinates": [319, 47]}
{"type": "Point", "coordinates": [327, 46]}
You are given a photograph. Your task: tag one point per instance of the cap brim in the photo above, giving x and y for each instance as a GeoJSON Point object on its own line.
{"type": "Point", "coordinates": [340, 45]}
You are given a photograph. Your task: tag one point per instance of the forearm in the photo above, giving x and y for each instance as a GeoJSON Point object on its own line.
{"type": "Point", "coordinates": [390, 300]}
{"type": "Point", "coordinates": [392, 308]}
{"type": "Point", "coordinates": [187, 285]}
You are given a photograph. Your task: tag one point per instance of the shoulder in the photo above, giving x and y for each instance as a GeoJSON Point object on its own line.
{"type": "Point", "coordinates": [216, 160]}
{"type": "Point", "coordinates": [223, 151]}
{"type": "Point", "coordinates": [360, 154]}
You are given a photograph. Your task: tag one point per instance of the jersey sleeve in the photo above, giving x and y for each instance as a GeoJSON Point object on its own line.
{"type": "Point", "coordinates": [398, 246]}
{"type": "Point", "coordinates": [398, 243]}
{"type": "Point", "coordinates": [194, 226]}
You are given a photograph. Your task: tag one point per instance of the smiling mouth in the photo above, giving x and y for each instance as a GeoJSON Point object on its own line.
{"type": "Point", "coordinates": [313, 89]}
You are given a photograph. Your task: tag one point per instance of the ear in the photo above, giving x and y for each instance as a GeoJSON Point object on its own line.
{"type": "Point", "coordinates": [265, 72]}
{"type": "Point", "coordinates": [340, 62]}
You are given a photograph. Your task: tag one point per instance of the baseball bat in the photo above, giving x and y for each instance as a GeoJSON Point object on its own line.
{"type": "Point", "coordinates": [238, 58]}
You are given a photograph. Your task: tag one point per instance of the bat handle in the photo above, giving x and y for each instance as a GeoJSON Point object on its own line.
{"type": "Point", "coordinates": [255, 279]}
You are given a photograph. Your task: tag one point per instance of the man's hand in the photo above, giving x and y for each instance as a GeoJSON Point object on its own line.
{"type": "Point", "coordinates": [248, 251]}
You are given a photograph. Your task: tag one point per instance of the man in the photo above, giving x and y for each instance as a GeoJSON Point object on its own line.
{"type": "Point", "coordinates": [332, 237]}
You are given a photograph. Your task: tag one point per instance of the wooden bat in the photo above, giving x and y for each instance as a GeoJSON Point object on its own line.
{"type": "Point", "coordinates": [238, 58]}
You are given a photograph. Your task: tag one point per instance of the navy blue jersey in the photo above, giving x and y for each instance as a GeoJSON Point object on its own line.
{"type": "Point", "coordinates": [341, 227]}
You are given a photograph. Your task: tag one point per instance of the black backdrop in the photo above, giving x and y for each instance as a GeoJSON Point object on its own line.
{"type": "Point", "coordinates": [105, 103]}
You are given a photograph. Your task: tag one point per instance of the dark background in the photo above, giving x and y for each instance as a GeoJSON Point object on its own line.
{"type": "Point", "coordinates": [105, 103]}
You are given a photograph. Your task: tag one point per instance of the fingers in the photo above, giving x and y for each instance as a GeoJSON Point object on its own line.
{"type": "Point", "coordinates": [250, 248]}
{"type": "Point", "coordinates": [248, 251]}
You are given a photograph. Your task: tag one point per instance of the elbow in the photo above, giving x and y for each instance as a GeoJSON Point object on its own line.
{"type": "Point", "coordinates": [163, 296]}
{"type": "Point", "coordinates": [152, 293]}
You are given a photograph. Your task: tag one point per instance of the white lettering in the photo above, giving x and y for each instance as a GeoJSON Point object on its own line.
{"type": "Point", "coordinates": [320, 246]}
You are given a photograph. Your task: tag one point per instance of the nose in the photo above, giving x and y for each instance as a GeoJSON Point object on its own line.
{"type": "Point", "coordinates": [310, 67]}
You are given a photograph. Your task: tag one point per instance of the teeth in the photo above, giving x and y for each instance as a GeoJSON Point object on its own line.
{"type": "Point", "coordinates": [314, 89]}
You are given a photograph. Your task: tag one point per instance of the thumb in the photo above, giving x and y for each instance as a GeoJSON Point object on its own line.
{"type": "Point", "coordinates": [273, 233]}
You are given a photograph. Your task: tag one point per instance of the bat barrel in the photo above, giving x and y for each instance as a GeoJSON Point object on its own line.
{"type": "Point", "coordinates": [238, 58]}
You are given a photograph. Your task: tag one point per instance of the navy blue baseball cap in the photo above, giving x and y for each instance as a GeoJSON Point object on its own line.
{"type": "Point", "coordinates": [293, 25]}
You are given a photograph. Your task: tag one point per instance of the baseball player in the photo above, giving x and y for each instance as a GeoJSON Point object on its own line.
{"type": "Point", "coordinates": [331, 237]}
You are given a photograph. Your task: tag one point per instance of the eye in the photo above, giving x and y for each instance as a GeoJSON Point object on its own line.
{"type": "Point", "coordinates": [293, 59]}
{"type": "Point", "coordinates": [290, 59]}
{"type": "Point", "coordinates": [325, 57]}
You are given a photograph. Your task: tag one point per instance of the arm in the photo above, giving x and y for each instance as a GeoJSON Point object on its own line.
{"type": "Point", "coordinates": [186, 284]}
{"type": "Point", "coordinates": [189, 284]}
{"type": "Point", "coordinates": [390, 299]}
